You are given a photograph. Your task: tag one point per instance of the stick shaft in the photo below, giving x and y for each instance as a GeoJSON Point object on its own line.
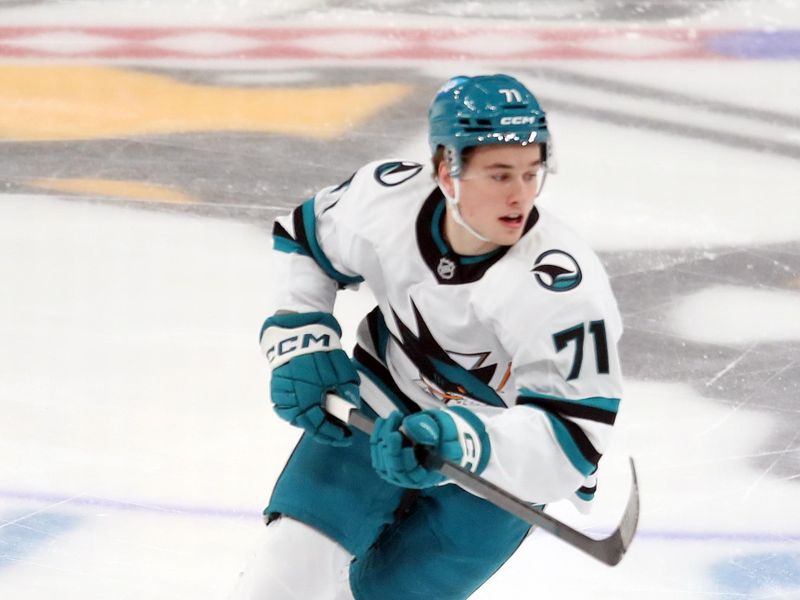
{"type": "Point", "coordinates": [608, 550]}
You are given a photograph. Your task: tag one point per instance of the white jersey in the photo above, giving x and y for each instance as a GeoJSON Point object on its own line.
{"type": "Point", "coordinates": [525, 336]}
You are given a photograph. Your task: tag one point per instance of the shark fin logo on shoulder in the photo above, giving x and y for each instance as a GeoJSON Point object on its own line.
{"type": "Point", "coordinates": [391, 174]}
{"type": "Point", "coordinates": [557, 271]}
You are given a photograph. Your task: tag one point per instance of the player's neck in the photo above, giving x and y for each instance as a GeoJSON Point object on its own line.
{"type": "Point", "coordinates": [462, 241]}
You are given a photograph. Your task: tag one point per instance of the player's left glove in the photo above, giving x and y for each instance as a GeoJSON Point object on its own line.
{"type": "Point", "coordinates": [399, 445]}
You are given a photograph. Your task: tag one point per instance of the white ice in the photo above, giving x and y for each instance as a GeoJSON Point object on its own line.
{"type": "Point", "coordinates": [715, 315]}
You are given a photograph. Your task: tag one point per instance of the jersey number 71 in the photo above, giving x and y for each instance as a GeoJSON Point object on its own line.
{"type": "Point", "coordinates": [577, 334]}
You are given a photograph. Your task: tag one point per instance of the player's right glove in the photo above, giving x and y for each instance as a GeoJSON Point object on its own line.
{"type": "Point", "coordinates": [398, 445]}
{"type": "Point", "coordinates": [307, 362]}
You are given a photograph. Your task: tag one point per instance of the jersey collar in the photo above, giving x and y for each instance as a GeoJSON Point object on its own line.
{"type": "Point", "coordinates": [447, 266]}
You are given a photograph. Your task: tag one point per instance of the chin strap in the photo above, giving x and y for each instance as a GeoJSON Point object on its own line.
{"type": "Point", "coordinates": [453, 201]}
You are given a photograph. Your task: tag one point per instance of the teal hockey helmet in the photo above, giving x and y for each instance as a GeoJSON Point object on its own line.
{"type": "Point", "coordinates": [487, 109]}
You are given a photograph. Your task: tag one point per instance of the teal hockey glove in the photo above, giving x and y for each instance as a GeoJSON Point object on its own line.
{"type": "Point", "coordinates": [307, 361]}
{"type": "Point", "coordinates": [399, 445]}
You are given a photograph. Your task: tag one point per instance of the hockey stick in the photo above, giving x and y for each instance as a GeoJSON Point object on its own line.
{"type": "Point", "coordinates": [608, 550]}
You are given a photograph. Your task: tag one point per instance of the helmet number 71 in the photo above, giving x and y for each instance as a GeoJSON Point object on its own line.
{"type": "Point", "coordinates": [511, 94]}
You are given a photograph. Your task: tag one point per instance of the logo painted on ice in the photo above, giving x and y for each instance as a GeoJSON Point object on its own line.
{"type": "Point", "coordinates": [446, 268]}
{"type": "Point", "coordinates": [394, 173]}
{"type": "Point", "coordinates": [557, 271]}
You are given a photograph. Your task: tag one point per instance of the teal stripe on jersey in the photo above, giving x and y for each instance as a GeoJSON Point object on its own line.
{"type": "Point", "coordinates": [600, 402]}
{"type": "Point", "coordinates": [437, 225]}
{"type": "Point", "coordinates": [435, 228]}
{"type": "Point", "coordinates": [379, 332]}
{"type": "Point", "coordinates": [310, 224]}
{"type": "Point", "coordinates": [570, 447]}
{"type": "Point", "coordinates": [471, 260]}
{"type": "Point", "coordinates": [288, 246]}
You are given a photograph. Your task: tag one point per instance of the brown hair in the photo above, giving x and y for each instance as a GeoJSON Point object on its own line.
{"type": "Point", "coordinates": [438, 157]}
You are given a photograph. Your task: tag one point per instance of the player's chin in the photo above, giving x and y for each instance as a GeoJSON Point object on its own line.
{"type": "Point", "coordinates": [509, 231]}
{"type": "Point", "coordinates": [506, 237]}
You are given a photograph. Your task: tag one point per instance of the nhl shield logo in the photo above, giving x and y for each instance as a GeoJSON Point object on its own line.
{"type": "Point", "coordinates": [446, 268]}
{"type": "Point", "coordinates": [557, 271]}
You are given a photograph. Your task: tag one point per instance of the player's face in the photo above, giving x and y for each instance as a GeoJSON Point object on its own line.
{"type": "Point", "coordinates": [498, 189]}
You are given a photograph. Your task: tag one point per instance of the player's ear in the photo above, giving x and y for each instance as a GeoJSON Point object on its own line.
{"type": "Point", "coordinates": [445, 179]}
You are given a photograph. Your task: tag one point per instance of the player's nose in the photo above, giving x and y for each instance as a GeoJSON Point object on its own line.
{"type": "Point", "coordinates": [516, 193]}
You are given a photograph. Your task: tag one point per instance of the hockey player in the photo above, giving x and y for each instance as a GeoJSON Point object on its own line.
{"type": "Point", "coordinates": [493, 344]}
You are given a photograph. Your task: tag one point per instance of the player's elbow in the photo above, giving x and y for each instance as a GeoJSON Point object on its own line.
{"type": "Point", "coordinates": [539, 481]}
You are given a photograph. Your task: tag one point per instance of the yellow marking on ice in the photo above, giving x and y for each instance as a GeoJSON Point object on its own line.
{"type": "Point", "coordinates": [75, 102]}
{"type": "Point", "coordinates": [128, 190]}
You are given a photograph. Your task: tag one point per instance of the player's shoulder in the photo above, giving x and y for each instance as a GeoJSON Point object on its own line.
{"type": "Point", "coordinates": [560, 256]}
{"type": "Point", "coordinates": [389, 177]}
{"type": "Point", "coordinates": [554, 253]}
{"type": "Point", "coordinates": [552, 267]}
{"type": "Point", "coordinates": [380, 185]}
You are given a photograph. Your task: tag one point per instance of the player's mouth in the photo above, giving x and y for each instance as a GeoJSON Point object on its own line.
{"type": "Point", "coordinates": [513, 220]}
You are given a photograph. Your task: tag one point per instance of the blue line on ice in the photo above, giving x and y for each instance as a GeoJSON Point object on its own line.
{"type": "Point", "coordinates": [774, 45]}
{"type": "Point", "coordinates": [251, 513]}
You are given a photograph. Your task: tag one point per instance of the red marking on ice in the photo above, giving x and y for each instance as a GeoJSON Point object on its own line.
{"type": "Point", "coordinates": [342, 43]}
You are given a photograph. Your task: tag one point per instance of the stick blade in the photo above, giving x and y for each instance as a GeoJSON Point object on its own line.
{"type": "Point", "coordinates": [615, 546]}
{"type": "Point", "coordinates": [630, 521]}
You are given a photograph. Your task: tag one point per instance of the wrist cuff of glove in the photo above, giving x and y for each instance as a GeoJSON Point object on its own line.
{"type": "Point", "coordinates": [473, 438]}
{"type": "Point", "coordinates": [285, 336]}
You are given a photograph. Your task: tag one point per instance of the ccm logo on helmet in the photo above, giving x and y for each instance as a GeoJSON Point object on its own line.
{"type": "Point", "coordinates": [517, 120]}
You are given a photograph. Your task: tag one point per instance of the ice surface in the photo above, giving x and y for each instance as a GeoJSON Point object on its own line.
{"type": "Point", "coordinates": [136, 445]}
{"type": "Point", "coordinates": [715, 316]}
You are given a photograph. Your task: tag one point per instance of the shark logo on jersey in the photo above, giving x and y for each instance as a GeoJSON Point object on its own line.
{"type": "Point", "coordinates": [557, 271]}
{"type": "Point", "coordinates": [472, 363]}
{"type": "Point", "coordinates": [440, 374]}
{"type": "Point", "coordinates": [394, 173]}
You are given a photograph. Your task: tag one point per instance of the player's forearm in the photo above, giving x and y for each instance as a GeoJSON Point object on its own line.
{"type": "Point", "coordinates": [527, 458]}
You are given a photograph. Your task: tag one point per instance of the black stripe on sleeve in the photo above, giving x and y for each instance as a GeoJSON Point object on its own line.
{"type": "Point", "coordinates": [571, 409]}
{"type": "Point", "coordinates": [279, 230]}
{"type": "Point", "coordinates": [585, 447]}
{"type": "Point", "coordinates": [300, 230]}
